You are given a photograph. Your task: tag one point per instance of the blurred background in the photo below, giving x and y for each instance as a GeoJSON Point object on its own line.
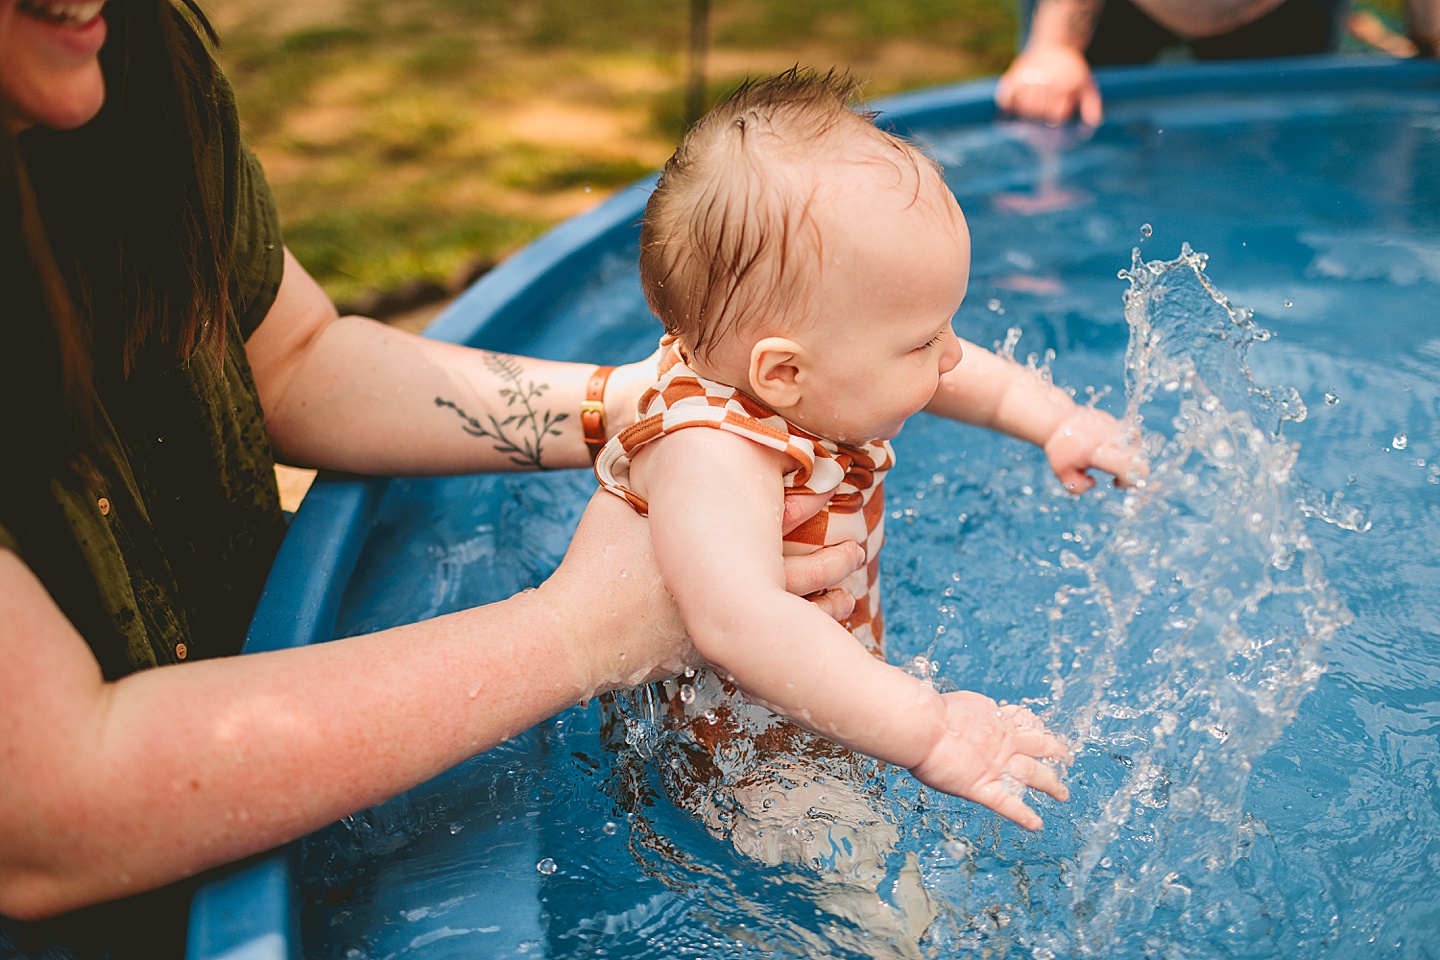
{"type": "Point", "coordinates": [411, 144]}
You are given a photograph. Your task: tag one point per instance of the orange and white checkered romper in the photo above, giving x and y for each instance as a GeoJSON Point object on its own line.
{"type": "Point", "coordinates": [681, 398]}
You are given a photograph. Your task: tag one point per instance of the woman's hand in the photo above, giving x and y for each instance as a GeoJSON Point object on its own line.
{"type": "Point", "coordinates": [623, 626]}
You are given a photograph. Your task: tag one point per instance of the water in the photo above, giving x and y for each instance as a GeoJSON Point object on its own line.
{"type": "Point", "coordinates": [1246, 653]}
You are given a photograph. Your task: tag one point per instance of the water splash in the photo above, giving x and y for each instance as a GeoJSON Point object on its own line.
{"type": "Point", "coordinates": [1184, 646]}
{"type": "Point", "coordinates": [1186, 631]}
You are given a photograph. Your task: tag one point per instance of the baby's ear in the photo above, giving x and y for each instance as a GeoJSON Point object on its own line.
{"type": "Point", "coordinates": [776, 372]}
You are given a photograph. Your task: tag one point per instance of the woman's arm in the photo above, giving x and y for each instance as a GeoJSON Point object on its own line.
{"type": "Point", "coordinates": [113, 788]}
{"type": "Point", "coordinates": [351, 394]}
{"type": "Point", "coordinates": [109, 789]}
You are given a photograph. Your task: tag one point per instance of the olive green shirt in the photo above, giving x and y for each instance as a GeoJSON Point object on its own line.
{"type": "Point", "coordinates": [163, 559]}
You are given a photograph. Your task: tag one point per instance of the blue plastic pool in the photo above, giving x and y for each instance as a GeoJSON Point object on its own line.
{"type": "Point", "coordinates": [1246, 653]}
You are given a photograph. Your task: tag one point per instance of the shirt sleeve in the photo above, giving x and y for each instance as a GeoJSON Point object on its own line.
{"type": "Point", "coordinates": [259, 250]}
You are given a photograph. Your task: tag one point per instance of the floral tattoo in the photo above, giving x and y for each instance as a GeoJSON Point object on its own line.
{"type": "Point", "coordinates": [520, 434]}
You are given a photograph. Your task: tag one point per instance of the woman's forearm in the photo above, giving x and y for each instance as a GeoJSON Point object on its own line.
{"type": "Point", "coordinates": [367, 398]}
{"type": "Point", "coordinates": [118, 788]}
{"type": "Point", "coordinates": [111, 789]}
{"type": "Point", "coordinates": [351, 394]}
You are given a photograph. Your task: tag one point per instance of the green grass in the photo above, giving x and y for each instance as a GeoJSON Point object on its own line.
{"type": "Point", "coordinates": [407, 140]}
{"type": "Point", "coordinates": [396, 137]}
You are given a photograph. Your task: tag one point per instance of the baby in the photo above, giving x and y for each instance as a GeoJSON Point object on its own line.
{"type": "Point", "coordinates": [807, 266]}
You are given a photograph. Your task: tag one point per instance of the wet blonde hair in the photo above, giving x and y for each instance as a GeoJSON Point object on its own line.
{"type": "Point", "coordinates": [727, 234]}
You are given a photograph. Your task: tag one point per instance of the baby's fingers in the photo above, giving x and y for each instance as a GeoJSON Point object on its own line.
{"type": "Point", "coordinates": [1075, 481]}
{"type": "Point", "coordinates": [1033, 773]}
{"type": "Point", "coordinates": [1040, 743]}
{"type": "Point", "coordinates": [1009, 805]}
{"type": "Point", "coordinates": [1031, 737]}
{"type": "Point", "coordinates": [1122, 463]}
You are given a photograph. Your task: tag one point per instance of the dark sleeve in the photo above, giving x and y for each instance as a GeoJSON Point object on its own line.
{"type": "Point", "coordinates": [259, 251]}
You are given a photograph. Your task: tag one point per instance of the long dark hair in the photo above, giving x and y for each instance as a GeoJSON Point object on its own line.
{"type": "Point", "coordinates": [112, 236]}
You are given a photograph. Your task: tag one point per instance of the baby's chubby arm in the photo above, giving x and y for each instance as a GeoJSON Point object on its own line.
{"type": "Point", "coordinates": [990, 391]}
{"type": "Point", "coordinates": [716, 503]}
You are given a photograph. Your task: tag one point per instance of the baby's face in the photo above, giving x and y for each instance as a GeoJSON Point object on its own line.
{"type": "Point", "coordinates": [895, 264]}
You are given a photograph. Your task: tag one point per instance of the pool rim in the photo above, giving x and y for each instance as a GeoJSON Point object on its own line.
{"type": "Point", "coordinates": [248, 911]}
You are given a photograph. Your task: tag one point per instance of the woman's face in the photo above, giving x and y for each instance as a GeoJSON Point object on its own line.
{"type": "Point", "coordinates": [49, 62]}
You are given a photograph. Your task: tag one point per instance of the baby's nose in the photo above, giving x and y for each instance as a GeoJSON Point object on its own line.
{"type": "Point", "coordinates": [951, 357]}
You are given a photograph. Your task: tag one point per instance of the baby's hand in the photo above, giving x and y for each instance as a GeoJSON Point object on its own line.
{"type": "Point", "coordinates": [990, 753]}
{"type": "Point", "coordinates": [1092, 438]}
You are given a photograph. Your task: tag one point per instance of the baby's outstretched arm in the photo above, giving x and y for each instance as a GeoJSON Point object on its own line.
{"type": "Point", "coordinates": [990, 391]}
{"type": "Point", "coordinates": [716, 503]}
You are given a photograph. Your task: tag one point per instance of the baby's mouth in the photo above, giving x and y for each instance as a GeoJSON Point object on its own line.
{"type": "Point", "coordinates": [62, 14]}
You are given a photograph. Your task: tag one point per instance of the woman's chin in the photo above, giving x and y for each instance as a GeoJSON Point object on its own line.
{"type": "Point", "coordinates": [58, 109]}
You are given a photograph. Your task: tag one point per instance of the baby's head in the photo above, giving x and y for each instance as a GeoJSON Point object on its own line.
{"type": "Point", "coordinates": [791, 238]}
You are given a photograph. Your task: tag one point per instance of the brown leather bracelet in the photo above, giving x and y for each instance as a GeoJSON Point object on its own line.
{"type": "Point", "coordinates": [592, 411]}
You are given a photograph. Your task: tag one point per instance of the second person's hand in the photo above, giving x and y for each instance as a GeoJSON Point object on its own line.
{"type": "Point", "coordinates": [1050, 83]}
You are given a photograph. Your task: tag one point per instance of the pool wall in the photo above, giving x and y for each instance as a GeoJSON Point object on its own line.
{"type": "Point", "coordinates": [250, 912]}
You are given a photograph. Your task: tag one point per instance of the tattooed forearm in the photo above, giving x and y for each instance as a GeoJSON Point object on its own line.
{"type": "Point", "coordinates": [521, 433]}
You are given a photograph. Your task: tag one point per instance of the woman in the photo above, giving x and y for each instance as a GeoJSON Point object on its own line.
{"type": "Point", "coordinates": [161, 349]}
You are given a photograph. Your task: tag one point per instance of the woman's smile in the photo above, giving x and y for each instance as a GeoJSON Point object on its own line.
{"type": "Point", "coordinates": [76, 15]}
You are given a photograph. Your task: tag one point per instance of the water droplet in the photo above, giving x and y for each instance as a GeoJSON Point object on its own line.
{"type": "Point", "coordinates": [687, 693]}
{"type": "Point", "coordinates": [1289, 303]}
{"type": "Point", "coordinates": [1146, 230]}
{"type": "Point", "coordinates": [1331, 398]}
{"type": "Point", "coordinates": [609, 829]}
{"type": "Point", "coordinates": [994, 305]}
{"type": "Point", "coordinates": [456, 827]}
{"type": "Point", "coordinates": [1400, 442]}
{"type": "Point", "coordinates": [546, 866]}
